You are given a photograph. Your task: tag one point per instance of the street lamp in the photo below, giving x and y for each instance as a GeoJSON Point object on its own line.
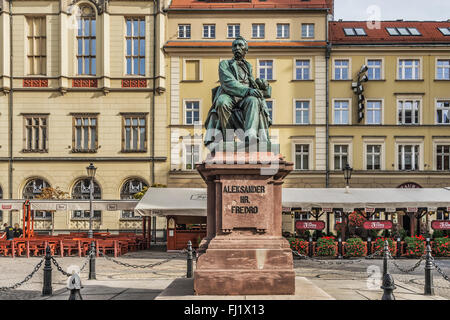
{"type": "Point", "coordinates": [91, 174]}
{"type": "Point", "coordinates": [347, 176]}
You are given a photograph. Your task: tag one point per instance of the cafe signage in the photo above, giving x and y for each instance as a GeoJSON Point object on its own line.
{"type": "Point", "coordinates": [310, 225]}
{"type": "Point", "coordinates": [377, 225]}
{"type": "Point", "coordinates": [440, 225]}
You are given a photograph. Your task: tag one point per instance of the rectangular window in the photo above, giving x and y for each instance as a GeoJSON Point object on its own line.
{"type": "Point", "coordinates": [374, 72]}
{"type": "Point", "coordinates": [302, 70]}
{"type": "Point", "coordinates": [282, 30]}
{"type": "Point", "coordinates": [302, 112]}
{"type": "Point", "coordinates": [301, 215]}
{"type": "Point", "coordinates": [269, 104]}
{"type": "Point", "coordinates": [135, 39]}
{"type": "Point", "coordinates": [258, 30]}
{"type": "Point", "coordinates": [408, 157]}
{"type": "Point", "coordinates": [341, 112]}
{"type": "Point", "coordinates": [192, 109]}
{"type": "Point", "coordinates": [408, 111]}
{"type": "Point", "coordinates": [134, 133]}
{"type": "Point", "coordinates": [443, 112]}
{"type": "Point", "coordinates": [341, 69]}
{"type": "Point", "coordinates": [266, 69]}
{"type": "Point", "coordinates": [209, 31]}
{"type": "Point", "coordinates": [85, 134]}
{"type": "Point", "coordinates": [234, 30]}
{"type": "Point", "coordinates": [192, 70]}
{"type": "Point", "coordinates": [408, 69]}
{"type": "Point", "coordinates": [340, 156]}
{"type": "Point", "coordinates": [443, 157]}
{"type": "Point", "coordinates": [307, 30]}
{"type": "Point", "coordinates": [36, 50]}
{"type": "Point", "coordinates": [445, 31]}
{"type": "Point", "coordinates": [301, 156]}
{"type": "Point", "coordinates": [373, 157]}
{"type": "Point", "coordinates": [443, 69]}
{"type": "Point", "coordinates": [184, 31]}
{"type": "Point", "coordinates": [86, 43]}
{"type": "Point", "coordinates": [442, 215]}
{"type": "Point", "coordinates": [192, 156]}
{"type": "Point", "coordinates": [373, 112]}
{"type": "Point", "coordinates": [36, 130]}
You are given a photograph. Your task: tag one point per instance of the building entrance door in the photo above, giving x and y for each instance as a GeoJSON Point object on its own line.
{"type": "Point", "coordinates": [406, 224]}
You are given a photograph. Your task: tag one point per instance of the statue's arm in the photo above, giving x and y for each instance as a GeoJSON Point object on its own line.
{"type": "Point", "coordinates": [229, 83]}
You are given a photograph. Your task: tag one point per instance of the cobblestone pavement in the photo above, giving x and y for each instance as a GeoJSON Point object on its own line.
{"type": "Point", "coordinates": [15, 270]}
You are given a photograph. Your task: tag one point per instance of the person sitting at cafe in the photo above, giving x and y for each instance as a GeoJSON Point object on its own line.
{"type": "Point", "coordinates": [9, 232]}
{"type": "Point", "coordinates": [17, 231]}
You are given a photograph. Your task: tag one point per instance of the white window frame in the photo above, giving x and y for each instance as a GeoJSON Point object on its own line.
{"type": "Point", "coordinates": [190, 142]}
{"type": "Point", "coordinates": [273, 108]}
{"type": "Point", "coordinates": [436, 100]}
{"type": "Point", "coordinates": [349, 68]}
{"type": "Point", "coordinates": [233, 25]}
{"type": "Point", "coordinates": [311, 157]}
{"type": "Point", "coordinates": [341, 141]}
{"type": "Point", "coordinates": [308, 30]}
{"type": "Point", "coordinates": [259, 30]}
{"type": "Point", "coordinates": [184, 25]}
{"type": "Point", "coordinates": [436, 69]}
{"type": "Point", "coordinates": [374, 141]}
{"type": "Point", "coordinates": [259, 67]}
{"type": "Point", "coordinates": [418, 77]}
{"type": "Point", "coordinates": [366, 118]}
{"type": "Point", "coordinates": [208, 26]}
{"type": "Point", "coordinates": [283, 30]}
{"type": "Point", "coordinates": [200, 68]}
{"type": "Point", "coordinates": [382, 73]}
{"type": "Point", "coordinates": [294, 107]}
{"type": "Point", "coordinates": [294, 68]}
{"type": "Point", "coordinates": [413, 99]}
{"type": "Point", "coordinates": [199, 111]}
{"type": "Point", "coordinates": [349, 100]}
{"type": "Point", "coordinates": [409, 141]}
{"type": "Point", "coordinates": [436, 143]}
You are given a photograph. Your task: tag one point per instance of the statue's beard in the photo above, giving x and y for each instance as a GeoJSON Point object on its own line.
{"type": "Point", "coordinates": [239, 55]}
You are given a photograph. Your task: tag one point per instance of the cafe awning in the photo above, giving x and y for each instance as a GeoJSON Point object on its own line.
{"type": "Point", "coordinates": [190, 201]}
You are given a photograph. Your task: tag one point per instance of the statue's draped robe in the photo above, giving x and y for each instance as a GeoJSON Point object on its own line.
{"type": "Point", "coordinates": [234, 108]}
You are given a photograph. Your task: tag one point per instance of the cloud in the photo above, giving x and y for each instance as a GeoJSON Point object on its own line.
{"type": "Point", "coordinates": [392, 10]}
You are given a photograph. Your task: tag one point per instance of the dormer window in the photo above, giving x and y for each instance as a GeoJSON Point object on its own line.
{"type": "Point", "coordinates": [355, 32]}
{"type": "Point", "coordinates": [403, 31]}
{"type": "Point", "coordinates": [445, 31]}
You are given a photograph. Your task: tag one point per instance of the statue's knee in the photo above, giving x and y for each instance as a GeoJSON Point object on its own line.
{"type": "Point", "coordinates": [224, 102]}
{"type": "Point", "coordinates": [252, 100]}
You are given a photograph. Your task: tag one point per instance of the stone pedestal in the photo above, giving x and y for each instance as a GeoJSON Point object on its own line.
{"type": "Point", "coordinates": [244, 252]}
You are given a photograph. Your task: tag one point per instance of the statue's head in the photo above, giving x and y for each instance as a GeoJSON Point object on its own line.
{"type": "Point", "coordinates": [240, 48]}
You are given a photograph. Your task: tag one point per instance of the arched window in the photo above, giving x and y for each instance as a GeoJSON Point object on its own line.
{"type": "Point", "coordinates": [129, 189]}
{"type": "Point", "coordinates": [81, 190]}
{"type": "Point", "coordinates": [32, 189]}
{"type": "Point", "coordinates": [86, 41]}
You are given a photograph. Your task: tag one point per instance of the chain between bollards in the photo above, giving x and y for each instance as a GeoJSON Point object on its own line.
{"type": "Point", "coordinates": [429, 289]}
{"type": "Point", "coordinates": [47, 287]}
{"type": "Point", "coordinates": [92, 275]}
{"type": "Point", "coordinates": [189, 273]}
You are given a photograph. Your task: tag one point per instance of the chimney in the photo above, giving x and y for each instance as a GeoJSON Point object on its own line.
{"type": "Point", "coordinates": [330, 5]}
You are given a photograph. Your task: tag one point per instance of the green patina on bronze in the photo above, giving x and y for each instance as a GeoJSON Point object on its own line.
{"type": "Point", "coordinates": [239, 101]}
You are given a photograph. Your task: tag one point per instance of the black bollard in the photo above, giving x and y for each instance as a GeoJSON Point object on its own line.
{"type": "Point", "coordinates": [339, 248]}
{"type": "Point", "coordinates": [385, 258]}
{"type": "Point", "coordinates": [47, 287]}
{"type": "Point", "coordinates": [429, 289]}
{"type": "Point", "coordinates": [189, 273]}
{"type": "Point", "coordinates": [388, 287]}
{"type": "Point", "coordinates": [310, 247]}
{"type": "Point", "coordinates": [399, 247]}
{"type": "Point", "coordinates": [92, 275]}
{"type": "Point", "coordinates": [369, 246]}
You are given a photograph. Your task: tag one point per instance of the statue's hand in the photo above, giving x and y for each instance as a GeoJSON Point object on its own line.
{"type": "Point", "coordinates": [263, 84]}
{"type": "Point", "coordinates": [256, 93]}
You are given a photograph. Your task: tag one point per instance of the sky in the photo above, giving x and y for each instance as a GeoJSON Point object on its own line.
{"type": "Point", "coordinates": [422, 10]}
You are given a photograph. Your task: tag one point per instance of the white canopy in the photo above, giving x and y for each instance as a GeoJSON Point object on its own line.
{"type": "Point", "coordinates": [190, 201]}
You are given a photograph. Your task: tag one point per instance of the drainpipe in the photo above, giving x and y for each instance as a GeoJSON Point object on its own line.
{"type": "Point", "coordinates": [152, 106]}
{"type": "Point", "coordinates": [327, 93]}
{"type": "Point", "coordinates": [10, 109]}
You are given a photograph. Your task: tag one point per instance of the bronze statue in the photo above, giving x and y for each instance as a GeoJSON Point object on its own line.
{"type": "Point", "coordinates": [238, 103]}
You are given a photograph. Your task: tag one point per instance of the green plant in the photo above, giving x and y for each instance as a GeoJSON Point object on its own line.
{"type": "Point", "coordinates": [415, 246]}
{"type": "Point", "coordinates": [441, 247]}
{"type": "Point", "coordinates": [438, 234]}
{"type": "Point", "coordinates": [355, 247]}
{"type": "Point", "coordinates": [326, 246]}
{"type": "Point", "coordinates": [378, 245]}
{"type": "Point", "coordinates": [356, 219]}
{"type": "Point", "coordinates": [298, 245]}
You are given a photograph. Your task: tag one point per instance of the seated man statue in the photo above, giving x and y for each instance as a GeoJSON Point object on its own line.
{"type": "Point", "coordinates": [239, 102]}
